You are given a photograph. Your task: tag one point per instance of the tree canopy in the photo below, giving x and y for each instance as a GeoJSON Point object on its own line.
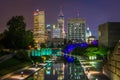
{"type": "Point", "coordinates": [16, 36]}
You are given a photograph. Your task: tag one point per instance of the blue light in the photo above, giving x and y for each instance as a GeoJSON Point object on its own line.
{"type": "Point", "coordinates": [70, 47]}
{"type": "Point", "coordinates": [70, 59]}
{"type": "Point", "coordinates": [84, 45]}
{"type": "Point", "coordinates": [65, 56]}
{"type": "Point", "coordinates": [95, 42]}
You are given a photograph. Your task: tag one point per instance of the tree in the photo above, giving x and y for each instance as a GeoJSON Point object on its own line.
{"type": "Point", "coordinates": [42, 45]}
{"type": "Point", "coordinates": [103, 51]}
{"type": "Point", "coordinates": [16, 31]}
{"type": "Point", "coordinates": [79, 51]}
{"type": "Point", "coordinates": [100, 52]}
{"type": "Point", "coordinates": [1, 40]}
{"type": "Point", "coordinates": [28, 39]}
{"type": "Point", "coordinates": [91, 51]}
{"type": "Point", "coordinates": [16, 37]}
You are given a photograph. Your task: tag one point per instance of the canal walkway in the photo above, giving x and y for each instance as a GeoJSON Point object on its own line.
{"type": "Point", "coordinates": [22, 73]}
{"type": "Point", "coordinates": [93, 70]}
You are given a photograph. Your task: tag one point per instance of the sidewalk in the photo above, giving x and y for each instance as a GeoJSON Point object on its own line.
{"type": "Point", "coordinates": [92, 72]}
{"type": "Point", "coordinates": [21, 74]}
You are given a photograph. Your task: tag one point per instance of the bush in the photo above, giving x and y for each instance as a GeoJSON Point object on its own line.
{"type": "Point", "coordinates": [22, 56]}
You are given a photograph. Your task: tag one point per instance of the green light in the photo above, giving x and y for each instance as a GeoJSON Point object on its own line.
{"type": "Point", "coordinates": [45, 51]}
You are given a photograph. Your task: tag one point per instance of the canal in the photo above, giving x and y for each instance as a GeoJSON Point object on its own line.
{"type": "Point", "coordinates": [60, 70]}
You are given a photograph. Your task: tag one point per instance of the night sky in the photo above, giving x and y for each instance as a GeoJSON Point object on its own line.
{"type": "Point", "coordinates": [95, 11]}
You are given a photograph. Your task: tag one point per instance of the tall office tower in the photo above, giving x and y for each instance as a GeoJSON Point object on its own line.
{"type": "Point", "coordinates": [61, 24]}
{"type": "Point", "coordinates": [39, 26]}
{"type": "Point", "coordinates": [76, 30]}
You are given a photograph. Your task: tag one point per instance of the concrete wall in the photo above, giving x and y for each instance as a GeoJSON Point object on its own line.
{"type": "Point", "coordinates": [112, 68]}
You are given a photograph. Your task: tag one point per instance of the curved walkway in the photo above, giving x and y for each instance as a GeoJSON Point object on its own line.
{"type": "Point", "coordinates": [92, 72]}
{"type": "Point", "coordinates": [21, 74]}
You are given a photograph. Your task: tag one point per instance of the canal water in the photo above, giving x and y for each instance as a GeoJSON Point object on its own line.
{"type": "Point", "coordinates": [60, 70]}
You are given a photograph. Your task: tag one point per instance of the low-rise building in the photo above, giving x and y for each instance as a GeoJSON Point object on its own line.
{"type": "Point", "coordinates": [109, 34]}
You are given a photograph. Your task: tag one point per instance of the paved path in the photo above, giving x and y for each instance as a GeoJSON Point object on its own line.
{"type": "Point", "coordinates": [18, 74]}
{"type": "Point", "coordinates": [92, 72]}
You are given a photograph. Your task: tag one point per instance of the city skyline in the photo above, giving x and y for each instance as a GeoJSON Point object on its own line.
{"type": "Point", "coordinates": [95, 12]}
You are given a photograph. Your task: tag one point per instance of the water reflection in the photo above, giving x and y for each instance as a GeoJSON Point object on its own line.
{"type": "Point", "coordinates": [60, 71]}
{"type": "Point", "coordinates": [39, 75]}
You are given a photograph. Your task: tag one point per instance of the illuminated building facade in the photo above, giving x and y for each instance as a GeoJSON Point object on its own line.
{"type": "Point", "coordinates": [60, 24]}
{"type": "Point", "coordinates": [39, 26]}
{"type": "Point", "coordinates": [56, 33]}
{"type": "Point", "coordinates": [49, 28]}
{"type": "Point", "coordinates": [91, 39]}
{"type": "Point", "coordinates": [109, 34]}
{"type": "Point", "coordinates": [88, 33]}
{"type": "Point", "coordinates": [56, 37]}
{"type": "Point", "coordinates": [76, 30]}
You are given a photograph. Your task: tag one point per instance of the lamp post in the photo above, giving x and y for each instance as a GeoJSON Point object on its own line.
{"type": "Point", "coordinates": [22, 74]}
{"type": "Point", "coordinates": [36, 76]}
{"type": "Point", "coordinates": [36, 66]}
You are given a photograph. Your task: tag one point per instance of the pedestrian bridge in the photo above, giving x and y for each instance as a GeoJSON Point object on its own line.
{"type": "Point", "coordinates": [44, 51]}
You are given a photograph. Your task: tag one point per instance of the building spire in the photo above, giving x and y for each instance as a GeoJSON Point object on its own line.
{"type": "Point", "coordinates": [61, 12]}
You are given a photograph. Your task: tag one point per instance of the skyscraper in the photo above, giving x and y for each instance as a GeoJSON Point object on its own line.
{"type": "Point", "coordinates": [76, 30]}
{"type": "Point", "coordinates": [58, 31]}
{"type": "Point", "coordinates": [61, 24]}
{"type": "Point", "coordinates": [39, 26]}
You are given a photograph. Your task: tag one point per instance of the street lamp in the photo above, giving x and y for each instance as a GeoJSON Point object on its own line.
{"type": "Point", "coordinates": [36, 66]}
{"type": "Point", "coordinates": [22, 74]}
{"type": "Point", "coordinates": [36, 75]}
